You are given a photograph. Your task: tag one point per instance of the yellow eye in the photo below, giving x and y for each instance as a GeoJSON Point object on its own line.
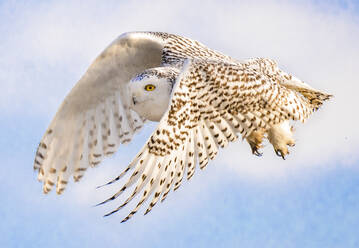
{"type": "Point", "coordinates": [150, 87]}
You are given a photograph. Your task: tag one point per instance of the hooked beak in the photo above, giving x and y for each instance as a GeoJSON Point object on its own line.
{"type": "Point", "coordinates": [134, 100]}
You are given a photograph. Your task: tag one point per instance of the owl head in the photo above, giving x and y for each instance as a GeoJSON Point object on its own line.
{"type": "Point", "coordinates": [151, 91]}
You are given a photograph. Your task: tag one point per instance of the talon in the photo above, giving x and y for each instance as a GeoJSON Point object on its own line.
{"type": "Point", "coordinates": [256, 152]}
{"type": "Point", "coordinates": [255, 149]}
{"type": "Point", "coordinates": [280, 154]}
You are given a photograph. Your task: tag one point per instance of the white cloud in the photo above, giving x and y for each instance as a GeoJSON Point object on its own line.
{"type": "Point", "coordinates": [48, 45]}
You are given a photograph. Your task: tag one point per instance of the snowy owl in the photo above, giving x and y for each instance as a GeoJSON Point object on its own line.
{"type": "Point", "coordinates": [201, 98]}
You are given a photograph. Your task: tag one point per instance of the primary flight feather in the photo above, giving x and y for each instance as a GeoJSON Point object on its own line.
{"type": "Point", "coordinates": [201, 98]}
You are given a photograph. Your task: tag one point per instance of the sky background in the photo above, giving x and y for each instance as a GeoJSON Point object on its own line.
{"type": "Point", "coordinates": [309, 200]}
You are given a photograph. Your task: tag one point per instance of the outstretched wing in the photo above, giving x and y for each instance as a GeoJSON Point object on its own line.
{"type": "Point", "coordinates": [95, 117]}
{"type": "Point", "coordinates": [211, 103]}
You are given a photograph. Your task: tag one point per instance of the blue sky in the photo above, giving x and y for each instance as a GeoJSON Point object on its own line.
{"type": "Point", "coordinates": [309, 200]}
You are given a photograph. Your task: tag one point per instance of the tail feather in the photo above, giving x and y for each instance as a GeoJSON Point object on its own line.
{"type": "Point", "coordinates": [315, 97]}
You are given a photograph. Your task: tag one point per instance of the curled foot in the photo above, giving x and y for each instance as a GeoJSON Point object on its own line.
{"type": "Point", "coordinates": [255, 141]}
{"type": "Point", "coordinates": [281, 137]}
{"type": "Point", "coordinates": [282, 152]}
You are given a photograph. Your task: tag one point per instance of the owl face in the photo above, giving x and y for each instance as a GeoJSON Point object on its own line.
{"type": "Point", "coordinates": [150, 95]}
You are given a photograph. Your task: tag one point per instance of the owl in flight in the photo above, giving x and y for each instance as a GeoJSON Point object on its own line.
{"type": "Point", "coordinates": [201, 98]}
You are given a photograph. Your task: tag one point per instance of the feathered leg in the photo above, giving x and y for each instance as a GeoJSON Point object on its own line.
{"type": "Point", "coordinates": [281, 136]}
{"type": "Point", "coordinates": [255, 141]}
